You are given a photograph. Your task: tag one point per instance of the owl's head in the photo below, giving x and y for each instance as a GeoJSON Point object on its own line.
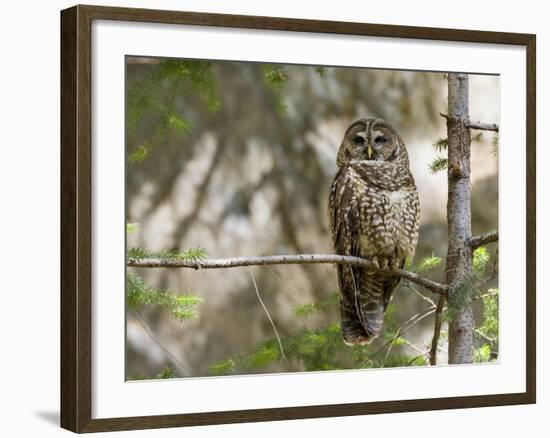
{"type": "Point", "coordinates": [371, 140]}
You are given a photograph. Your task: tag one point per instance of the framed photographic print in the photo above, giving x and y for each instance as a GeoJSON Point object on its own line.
{"type": "Point", "coordinates": [260, 213]}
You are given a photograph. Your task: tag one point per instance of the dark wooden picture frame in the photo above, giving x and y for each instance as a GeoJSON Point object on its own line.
{"type": "Point", "coordinates": [76, 218]}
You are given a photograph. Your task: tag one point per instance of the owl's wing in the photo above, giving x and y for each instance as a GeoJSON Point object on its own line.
{"type": "Point", "coordinates": [344, 218]}
{"type": "Point", "coordinates": [344, 221]}
{"type": "Point", "coordinates": [351, 283]}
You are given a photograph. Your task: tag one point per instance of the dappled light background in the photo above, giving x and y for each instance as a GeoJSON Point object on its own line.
{"type": "Point", "coordinates": [237, 158]}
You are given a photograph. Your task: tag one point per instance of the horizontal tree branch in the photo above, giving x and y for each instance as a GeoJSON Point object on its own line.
{"type": "Point", "coordinates": [284, 260]}
{"type": "Point", "coordinates": [483, 239]}
{"type": "Point", "coordinates": [476, 125]}
{"type": "Point", "coordinates": [483, 126]}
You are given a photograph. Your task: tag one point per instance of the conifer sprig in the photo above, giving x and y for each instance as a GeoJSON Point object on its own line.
{"type": "Point", "coordinates": [191, 254]}
{"type": "Point", "coordinates": [139, 294]}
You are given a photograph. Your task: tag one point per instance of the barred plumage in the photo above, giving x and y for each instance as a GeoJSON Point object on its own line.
{"type": "Point", "coordinates": [374, 213]}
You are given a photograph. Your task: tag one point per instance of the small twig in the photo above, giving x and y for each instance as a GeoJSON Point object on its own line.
{"type": "Point", "coordinates": [481, 296]}
{"type": "Point", "coordinates": [483, 239]}
{"type": "Point", "coordinates": [417, 318]}
{"type": "Point", "coordinates": [475, 125]}
{"type": "Point", "coordinates": [395, 337]}
{"type": "Point", "coordinates": [279, 279]}
{"type": "Point", "coordinates": [284, 260]}
{"type": "Point", "coordinates": [421, 295]}
{"type": "Point", "coordinates": [423, 353]}
{"type": "Point", "coordinates": [414, 347]}
{"type": "Point", "coordinates": [484, 283]}
{"type": "Point", "coordinates": [162, 347]}
{"type": "Point", "coordinates": [268, 315]}
{"type": "Point", "coordinates": [277, 276]}
{"type": "Point", "coordinates": [437, 330]}
{"type": "Point", "coordinates": [488, 338]}
{"type": "Point", "coordinates": [483, 126]}
{"type": "Point", "coordinates": [400, 328]}
{"type": "Point", "coordinates": [413, 359]}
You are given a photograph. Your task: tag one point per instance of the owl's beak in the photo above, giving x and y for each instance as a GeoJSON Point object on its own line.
{"type": "Point", "coordinates": [369, 151]}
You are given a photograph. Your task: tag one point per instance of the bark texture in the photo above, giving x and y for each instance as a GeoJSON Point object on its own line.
{"type": "Point", "coordinates": [483, 239]}
{"type": "Point", "coordinates": [459, 253]}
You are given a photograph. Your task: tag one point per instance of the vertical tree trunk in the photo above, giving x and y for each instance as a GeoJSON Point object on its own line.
{"type": "Point", "coordinates": [459, 254]}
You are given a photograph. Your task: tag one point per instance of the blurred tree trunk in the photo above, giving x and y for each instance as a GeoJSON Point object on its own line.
{"type": "Point", "coordinates": [459, 254]}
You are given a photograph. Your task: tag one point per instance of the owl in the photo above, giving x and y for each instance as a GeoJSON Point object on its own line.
{"type": "Point", "coordinates": [373, 213]}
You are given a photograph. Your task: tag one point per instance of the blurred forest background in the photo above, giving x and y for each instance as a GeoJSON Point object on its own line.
{"type": "Point", "coordinates": [230, 159]}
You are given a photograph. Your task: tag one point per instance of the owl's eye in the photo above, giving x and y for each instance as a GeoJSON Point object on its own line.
{"type": "Point", "coordinates": [381, 139]}
{"type": "Point", "coordinates": [358, 139]}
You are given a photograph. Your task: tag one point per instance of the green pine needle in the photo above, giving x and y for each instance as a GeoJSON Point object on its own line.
{"type": "Point", "coordinates": [460, 295]}
{"type": "Point", "coordinates": [323, 349]}
{"type": "Point", "coordinates": [266, 353]}
{"type": "Point", "coordinates": [223, 367]}
{"type": "Point", "coordinates": [276, 78]}
{"type": "Point", "coordinates": [138, 155]}
{"type": "Point", "coordinates": [312, 308]}
{"type": "Point", "coordinates": [180, 125]}
{"type": "Point", "coordinates": [191, 254]}
{"type": "Point", "coordinates": [139, 294]}
{"type": "Point", "coordinates": [481, 260]}
{"type": "Point", "coordinates": [438, 164]}
{"type": "Point", "coordinates": [494, 143]}
{"type": "Point", "coordinates": [153, 98]}
{"type": "Point", "coordinates": [490, 314]}
{"type": "Point", "coordinates": [482, 354]}
{"type": "Point", "coordinates": [167, 373]}
{"type": "Point", "coordinates": [429, 263]}
{"type": "Point", "coordinates": [320, 71]}
{"type": "Point", "coordinates": [477, 137]}
{"type": "Point", "coordinates": [131, 228]}
{"type": "Point", "coordinates": [441, 144]}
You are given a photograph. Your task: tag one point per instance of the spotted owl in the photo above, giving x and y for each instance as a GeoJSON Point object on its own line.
{"type": "Point", "coordinates": [373, 213]}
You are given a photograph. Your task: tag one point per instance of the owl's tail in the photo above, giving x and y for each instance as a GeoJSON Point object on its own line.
{"type": "Point", "coordinates": [355, 331]}
{"type": "Point", "coordinates": [362, 307]}
{"type": "Point", "coordinates": [370, 304]}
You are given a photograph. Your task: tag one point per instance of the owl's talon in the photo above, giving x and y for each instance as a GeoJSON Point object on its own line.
{"type": "Point", "coordinates": [375, 265]}
{"type": "Point", "coordinates": [394, 263]}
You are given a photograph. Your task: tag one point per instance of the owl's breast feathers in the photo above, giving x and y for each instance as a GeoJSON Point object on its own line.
{"type": "Point", "coordinates": [374, 210]}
